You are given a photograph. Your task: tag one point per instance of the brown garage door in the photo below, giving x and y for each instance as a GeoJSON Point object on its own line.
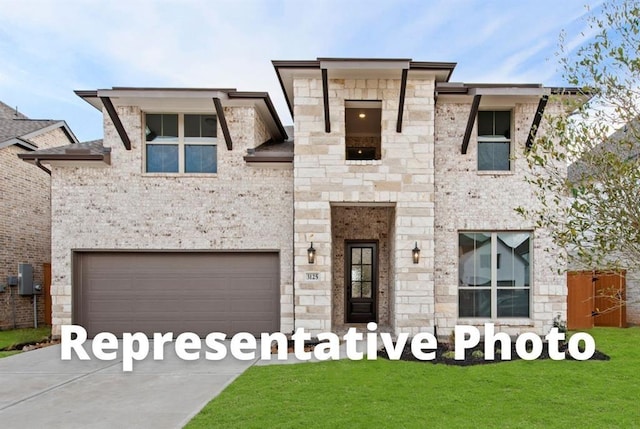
{"type": "Point", "coordinates": [177, 292]}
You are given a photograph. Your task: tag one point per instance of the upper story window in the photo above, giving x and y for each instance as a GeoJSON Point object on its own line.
{"type": "Point", "coordinates": [494, 274]}
{"type": "Point", "coordinates": [180, 143]}
{"type": "Point", "coordinates": [363, 120]}
{"type": "Point", "coordinates": [494, 140]}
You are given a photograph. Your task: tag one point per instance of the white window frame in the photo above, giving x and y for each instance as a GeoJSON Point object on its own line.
{"type": "Point", "coordinates": [494, 275]}
{"type": "Point", "coordinates": [496, 139]}
{"type": "Point", "coordinates": [181, 142]}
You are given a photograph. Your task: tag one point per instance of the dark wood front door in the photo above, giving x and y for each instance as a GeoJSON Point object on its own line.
{"type": "Point", "coordinates": [361, 279]}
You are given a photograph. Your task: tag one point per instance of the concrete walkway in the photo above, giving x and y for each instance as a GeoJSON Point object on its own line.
{"type": "Point", "coordinates": [38, 389]}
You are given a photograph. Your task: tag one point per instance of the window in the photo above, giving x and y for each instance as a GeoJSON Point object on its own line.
{"type": "Point", "coordinates": [363, 129]}
{"type": "Point", "coordinates": [501, 287]}
{"type": "Point", "coordinates": [180, 143]}
{"type": "Point", "coordinates": [494, 140]}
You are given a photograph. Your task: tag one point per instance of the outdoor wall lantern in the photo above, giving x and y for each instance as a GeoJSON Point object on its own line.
{"type": "Point", "coordinates": [416, 253]}
{"type": "Point", "coordinates": [311, 254]}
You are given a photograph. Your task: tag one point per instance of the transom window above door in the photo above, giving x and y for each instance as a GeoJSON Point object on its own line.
{"type": "Point", "coordinates": [180, 143]}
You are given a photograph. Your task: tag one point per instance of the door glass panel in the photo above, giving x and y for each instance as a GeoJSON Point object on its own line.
{"type": "Point", "coordinates": [356, 256]}
{"type": "Point", "coordinates": [356, 289]}
{"type": "Point", "coordinates": [366, 256]}
{"type": "Point", "coordinates": [366, 289]}
{"type": "Point", "coordinates": [356, 273]}
{"type": "Point", "coordinates": [366, 273]}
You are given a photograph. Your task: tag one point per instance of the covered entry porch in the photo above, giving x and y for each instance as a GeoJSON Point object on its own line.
{"type": "Point", "coordinates": [362, 267]}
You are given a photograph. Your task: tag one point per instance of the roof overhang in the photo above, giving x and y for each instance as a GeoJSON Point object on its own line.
{"type": "Point", "coordinates": [356, 68]}
{"type": "Point", "coordinates": [20, 142]}
{"type": "Point", "coordinates": [501, 96]}
{"type": "Point", "coordinates": [185, 100]}
{"type": "Point", "coordinates": [70, 158]}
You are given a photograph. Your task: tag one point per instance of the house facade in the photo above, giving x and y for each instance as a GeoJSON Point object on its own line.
{"type": "Point", "coordinates": [392, 200]}
{"type": "Point", "coordinates": [25, 211]}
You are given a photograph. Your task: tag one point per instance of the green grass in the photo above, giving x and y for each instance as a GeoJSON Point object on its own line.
{"type": "Point", "coordinates": [386, 394]}
{"type": "Point", "coordinates": [9, 339]}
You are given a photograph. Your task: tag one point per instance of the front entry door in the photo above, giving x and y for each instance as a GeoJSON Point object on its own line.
{"type": "Point", "coordinates": [361, 280]}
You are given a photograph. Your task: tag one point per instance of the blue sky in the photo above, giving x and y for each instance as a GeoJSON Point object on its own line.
{"type": "Point", "coordinates": [50, 48]}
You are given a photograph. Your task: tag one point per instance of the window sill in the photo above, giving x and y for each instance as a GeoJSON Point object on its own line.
{"type": "Point", "coordinates": [363, 162]}
{"type": "Point", "coordinates": [181, 175]}
{"type": "Point", "coordinates": [495, 173]}
{"type": "Point", "coordinates": [506, 321]}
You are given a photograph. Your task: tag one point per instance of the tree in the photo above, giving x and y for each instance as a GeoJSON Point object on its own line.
{"type": "Point", "coordinates": [593, 213]}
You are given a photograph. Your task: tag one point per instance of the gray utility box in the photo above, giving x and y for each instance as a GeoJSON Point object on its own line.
{"type": "Point", "coordinates": [25, 279]}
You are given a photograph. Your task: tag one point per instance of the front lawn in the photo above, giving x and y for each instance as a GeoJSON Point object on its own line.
{"type": "Point", "coordinates": [10, 339]}
{"type": "Point", "coordinates": [397, 394]}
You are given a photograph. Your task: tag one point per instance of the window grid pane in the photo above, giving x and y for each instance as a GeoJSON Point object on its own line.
{"type": "Point", "coordinates": [200, 159]}
{"type": "Point", "coordinates": [508, 281]}
{"type": "Point", "coordinates": [162, 158]}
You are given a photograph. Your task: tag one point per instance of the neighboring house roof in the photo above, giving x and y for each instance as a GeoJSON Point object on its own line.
{"type": "Point", "coordinates": [630, 133]}
{"type": "Point", "coordinates": [87, 151]}
{"type": "Point", "coordinates": [17, 129]}
{"type": "Point", "coordinates": [205, 99]}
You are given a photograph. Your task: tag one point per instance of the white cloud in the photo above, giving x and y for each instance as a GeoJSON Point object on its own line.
{"type": "Point", "coordinates": [51, 48]}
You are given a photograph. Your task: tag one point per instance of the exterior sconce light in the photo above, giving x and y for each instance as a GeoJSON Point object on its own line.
{"type": "Point", "coordinates": [311, 254]}
{"type": "Point", "coordinates": [416, 253]}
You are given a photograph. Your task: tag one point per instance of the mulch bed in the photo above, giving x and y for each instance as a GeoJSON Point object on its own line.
{"type": "Point", "coordinates": [471, 360]}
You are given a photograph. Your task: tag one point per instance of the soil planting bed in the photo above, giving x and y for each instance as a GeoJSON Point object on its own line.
{"type": "Point", "coordinates": [443, 348]}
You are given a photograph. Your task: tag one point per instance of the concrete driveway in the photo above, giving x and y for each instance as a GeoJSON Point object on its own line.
{"type": "Point", "coordinates": [38, 389]}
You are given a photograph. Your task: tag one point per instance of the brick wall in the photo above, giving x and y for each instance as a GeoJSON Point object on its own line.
{"type": "Point", "coordinates": [468, 200]}
{"type": "Point", "coordinates": [25, 235]}
{"type": "Point", "coordinates": [120, 207]}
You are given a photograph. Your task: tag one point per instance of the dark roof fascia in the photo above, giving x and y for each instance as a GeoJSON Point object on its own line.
{"type": "Point", "coordinates": [64, 157]}
{"type": "Point", "coordinates": [67, 131]}
{"type": "Point", "coordinates": [258, 158]}
{"type": "Point", "coordinates": [267, 100]}
{"type": "Point", "coordinates": [57, 124]}
{"type": "Point", "coordinates": [463, 88]}
{"type": "Point", "coordinates": [296, 64]}
{"type": "Point", "coordinates": [223, 122]}
{"type": "Point", "coordinates": [20, 142]}
{"type": "Point", "coordinates": [373, 60]}
{"type": "Point", "coordinates": [113, 114]}
{"type": "Point", "coordinates": [570, 90]}
{"type": "Point", "coordinates": [177, 89]}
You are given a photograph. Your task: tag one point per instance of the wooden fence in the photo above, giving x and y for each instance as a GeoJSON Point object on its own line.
{"type": "Point", "coordinates": [596, 299]}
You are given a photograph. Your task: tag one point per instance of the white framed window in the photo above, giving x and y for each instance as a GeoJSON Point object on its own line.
{"type": "Point", "coordinates": [494, 140]}
{"type": "Point", "coordinates": [500, 288]}
{"type": "Point", "coordinates": [180, 143]}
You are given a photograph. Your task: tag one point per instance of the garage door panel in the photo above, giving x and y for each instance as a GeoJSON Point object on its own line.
{"type": "Point", "coordinates": [179, 292]}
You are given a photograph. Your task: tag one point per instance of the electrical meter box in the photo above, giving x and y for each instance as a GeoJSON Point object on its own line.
{"type": "Point", "coordinates": [25, 279]}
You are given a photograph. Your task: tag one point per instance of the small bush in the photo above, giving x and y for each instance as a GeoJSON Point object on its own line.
{"type": "Point", "coordinates": [477, 354]}
{"type": "Point", "coordinates": [449, 354]}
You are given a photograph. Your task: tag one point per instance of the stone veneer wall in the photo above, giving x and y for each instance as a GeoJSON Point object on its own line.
{"type": "Point", "coordinates": [468, 200]}
{"type": "Point", "coordinates": [120, 207]}
{"type": "Point", "coordinates": [361, 223]}
{"type": "Point", "coordinates": [25, 227]}
{"type": "Point", "coordinates": [404, 177]}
